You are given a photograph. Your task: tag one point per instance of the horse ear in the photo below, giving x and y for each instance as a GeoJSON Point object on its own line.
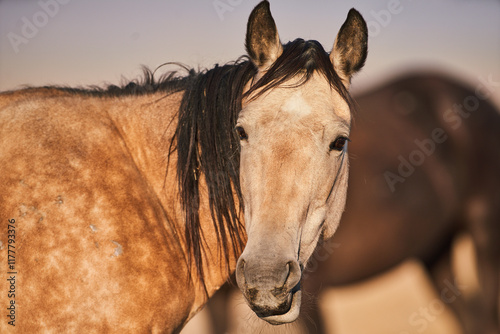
{"type": "Point", "coordinates": [351, 47]}
{"type": "Point", "coordinates": [262, 41]}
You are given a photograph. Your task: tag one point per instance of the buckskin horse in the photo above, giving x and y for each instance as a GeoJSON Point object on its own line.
{"type": "Point", "coordinates": [128, 207]}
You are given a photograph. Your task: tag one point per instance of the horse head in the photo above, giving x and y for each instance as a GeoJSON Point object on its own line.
{"type": "Point", "coordinates": [293, 128]}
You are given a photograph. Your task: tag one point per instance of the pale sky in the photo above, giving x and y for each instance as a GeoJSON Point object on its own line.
{"type": "Point", "coordinates": [94, 42]}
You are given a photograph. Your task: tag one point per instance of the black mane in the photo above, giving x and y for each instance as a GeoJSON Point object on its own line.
{"type": "Point", "coordinates": [207, 145]}
{"type": "Point", "coordinates": [170, 82]}
{"type": "Point", "coordinates": [205, 142]}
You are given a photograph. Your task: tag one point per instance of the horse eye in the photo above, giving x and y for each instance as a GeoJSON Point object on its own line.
{"type": "Point", "coordinates": [338, 144]}
{"type": "Point", "coordinates": [241, 133]}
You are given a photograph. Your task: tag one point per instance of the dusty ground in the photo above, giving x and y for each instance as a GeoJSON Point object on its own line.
{"type": "Point", "coordinates": [401, 301]}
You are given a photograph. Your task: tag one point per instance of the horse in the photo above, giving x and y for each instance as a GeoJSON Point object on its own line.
{"type": "Point", "coordinates": [424, 168]}
{"type": "Point", "coordinates": [126, 208]}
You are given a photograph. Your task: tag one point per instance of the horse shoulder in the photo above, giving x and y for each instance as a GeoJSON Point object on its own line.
{"type": "Point", "coordinates": [91, 229]}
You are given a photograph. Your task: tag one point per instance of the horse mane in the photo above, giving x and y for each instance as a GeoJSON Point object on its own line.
{"type": "Point", "coordinates": [169, 83]}
{"type": "Point", "coordinates": [205, 141]}
{"type": "Point", "coordinates": [207, 145]}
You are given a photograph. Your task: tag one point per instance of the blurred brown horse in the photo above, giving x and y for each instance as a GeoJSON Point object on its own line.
{"type": "Point", "coordinates": [425, 162]}
{"type": "Point", "coordinates": [425, 165]}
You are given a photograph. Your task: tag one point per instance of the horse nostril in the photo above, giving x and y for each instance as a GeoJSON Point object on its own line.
{"type": "Point", "coordinates": [241, 279]}
{"type": "Point", "coordinates": [291, 283]}
{"type": "Point", "coordinates": [294, 275]}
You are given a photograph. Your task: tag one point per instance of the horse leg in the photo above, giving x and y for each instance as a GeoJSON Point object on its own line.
{"type": "Point", "coordinates": [462, 299]}
{"type": "Point", "coordinates": [218, 308]}
{"type": "Point", "coordinates": [488, 266]}
{"type": "Point", "coordinates": [483, 221]}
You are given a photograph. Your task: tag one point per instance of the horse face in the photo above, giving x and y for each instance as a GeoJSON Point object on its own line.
{"type": "Point", "coordinates": [293, 174]}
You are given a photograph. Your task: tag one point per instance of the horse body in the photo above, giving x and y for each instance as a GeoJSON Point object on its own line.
{"type": "Point", "coordinates": [94, 225]}
{"type": "Point", "coordinates": [451, 189]}
{"type": "Point", "coordinates": [418, 211]}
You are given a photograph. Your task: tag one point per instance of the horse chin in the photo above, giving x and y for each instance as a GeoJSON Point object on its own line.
{"type": "Point", "coordinates": [291, 315]}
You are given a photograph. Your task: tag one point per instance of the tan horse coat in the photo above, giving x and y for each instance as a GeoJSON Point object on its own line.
{"type": "Point", "coordinates": [72, 169]}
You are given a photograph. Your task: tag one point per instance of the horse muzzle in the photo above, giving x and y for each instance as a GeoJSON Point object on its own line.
{"type": "Point", "coordinates": [271, 288]}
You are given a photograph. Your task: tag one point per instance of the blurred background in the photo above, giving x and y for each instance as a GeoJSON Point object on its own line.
{"type": "Point", "coordinates": [96, 42]}
{"type": "Point", "coordinates": [77, 43]}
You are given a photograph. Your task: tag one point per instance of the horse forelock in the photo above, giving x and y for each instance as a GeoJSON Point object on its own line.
{"type": "Point", "coordinates": [300, 58]}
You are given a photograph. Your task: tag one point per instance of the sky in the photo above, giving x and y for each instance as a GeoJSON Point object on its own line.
{"type": "Point", "coordinates": [97, 42]}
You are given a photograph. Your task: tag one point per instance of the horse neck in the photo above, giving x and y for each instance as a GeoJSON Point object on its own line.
{"type": "Point", "coordinates": [147, 125]}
